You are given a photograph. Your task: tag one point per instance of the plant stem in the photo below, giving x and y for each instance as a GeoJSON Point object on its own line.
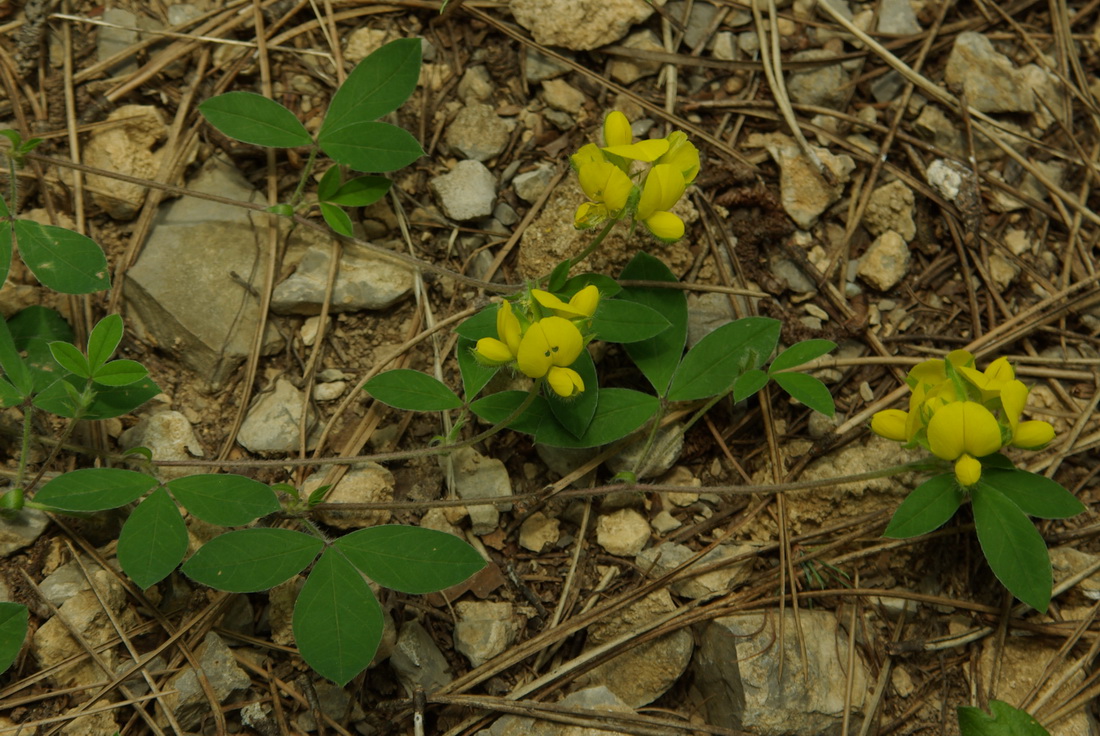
{"type": "Point", "coordinates": [593, 245]}
{"type": "Point", "coordinates": [25, 446]}
{"type": "Point", "coordinates": [307, 170]}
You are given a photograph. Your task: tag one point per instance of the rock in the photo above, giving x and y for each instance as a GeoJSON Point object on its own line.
{"type": "Point", "coordinates": [365, 483]}
{"type": "Point", "coordinates": [887, 87]}
{"type": "Point", "coordinates": [1067, 562]}
{"type": "Point", "coordinates": [21, 529]}
{"type": "Point", "coordinates": [622, 533]}
{"type": "Point", "coordinates": [477, 476]}
{"type": "Point", "coordinates": [169, 436]}
{"type": "Point", "coordinates": [564, 460]}
{"type": "Point", "coordinates": [125, 145]}
{"type": "Point", "coordinates": [335, 702]}
{"type": "Point", "coordinates": [476, 85]}
{"type": "Point", "coordinates": [504, 213]}
{"type": "Point", "coordinates": [706, 313]}
{"type": "Point", "coordinates": [891, 208]}
{"type": "Point", "coordinates": [946, 177]}
{"type": "Point", "coordinates": [826, 86]}
{"type": "Point", "coordinates": [803, 191]}
{"type": "Point", "coordinates": [484, 629]}
{"type": "Point", "coordinates": [790, 275]}
{"type": "Point", "coordinates": [363, 281]}
{"type": "Point", "coordinates": [724, 46]}
{"type": "Point", "coordinates": [271, 425]}
{"type": "Point", "coordinates": [663, 558]}
{"type": "Point", "coordinates": [1002, 271]}
{"type": "Point", "coordinates": [644, 673]}
{"type": "Point", "coordinates": [563, 96]}
{"type": "Point", "coordinates": [886, 261]}
{"type": "Point", "coordinates": [530, 185]}
{"type": "Point", "coordinates": [991, 82]}
{"type": "Point", "coordinates": [1050, 96]}
{"type": "Point", "coordinates": [939, 130]}
{"type": "Point", "coordinates": [362, 42]}
{"type": "Point", "coordinates": [478, 133]}
{"type": "Point", "coordinates": [737, 671]}
{"type": "Point", "coordinates": [228, 681]}
{"type": "Point", "coordinates": [664, 453]}
{"type": "Point", "coordinates": [111, 40]}
{"type": "Point", "coordinates": [664, 522]}
{"type": "Point", "coordinates": [593, 698]}
{"type": "Point", "coordinates": [696, 24]}
{"type": "Point", "coordinates": [467, 192]}
{"type": "Point", "coordinates": [897, 17]}
{"type": "Point", "coordinates": [329, 391]}
{"type": "Point", "coordinates": [628, 71]}
{"type": "Point", "coordinates": [579, 24]}
{"type": "Point", "coordinates": [539, 531]}
{"type": "Point", "coordinates": [539, 67]}
{"type": "Point", "coordinates": [417, 660]}
{"type": "Point", "coordinates": [191, 258]}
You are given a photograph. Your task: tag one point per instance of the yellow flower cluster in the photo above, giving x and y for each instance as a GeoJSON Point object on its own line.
{"type": "Point", "coordinates": [544, 338]}
{"type": "Point", "coordinates": [605, 176]}
{"type": "Point", "coordinates": [961, 414]}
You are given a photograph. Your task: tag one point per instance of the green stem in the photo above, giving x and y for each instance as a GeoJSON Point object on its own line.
{"type": "Point", "coordinates": [25, 446]}
{"type": "Point", "coordinates": [296, 198]}
{"type": "Point", "coordinates": [593, 245]}
{"type": "Point", "coordinates": [13, 185]}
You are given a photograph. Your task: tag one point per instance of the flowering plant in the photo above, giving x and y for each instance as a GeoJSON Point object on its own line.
{"type": "Point", "coordinates": [966, 417]}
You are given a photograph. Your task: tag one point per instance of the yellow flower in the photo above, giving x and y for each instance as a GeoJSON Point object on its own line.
{"type": "Point", "coordinates": [552, 341]}
{"type": "Point", "coordinates": [608, 187]}
{"type": "Point", "coordinates": [565, 382]}
{"type": "Point", "coordinates": [588, 153]}
{"type": "Point", "coordinates": [493, 351]}
{"type": "Point", "coordinates": [664, 186]}
{"type": "Point", "coordinates": [992, 380]}
{"type": "Point", "coordinates": [645, 151]}
{"type": "Point", "coordinates": [963, 431]}
{"type": "Point", "coordinates": [1031, 435]}
{"type": "Point", "coordinates": [891, 424]}
{"type": "Point", "coordinates": [581, 306]}
{"type": "Point", "coordinates": [935, 371]}
{"type": "Point", "coordinates": [681, 155]}
{"type": "Point", "coordinates": [616, 129]}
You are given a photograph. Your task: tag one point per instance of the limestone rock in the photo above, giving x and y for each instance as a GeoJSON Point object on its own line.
{"type": "Point", "coordinates": [272, 423]}
{"type": "Point", "coordinates": [628, 71]}
{"type": "Point", "coordinates": [417, 660]}
{"type": "Point", "coordinates": [624, 532]}
{"type": "Point", "coordinates": [706, 313]}
{"type": "Point", "coordinates": [665, 557]}
{"type": "Point", "coordinates": [664, 453]}
{"type": "Point", "coordinates": [539, 67]}
{"type": "Point", "coordinates": [467, 192]}
{"type": "Point", "coordinates": [477, 476]}
{"type": "Point", "coordinates": [530, 185]}
{"type": "Point", "coordinates": [169, 436]}
{"type": "Point", "coordinates": [825, 86]}
{"type": "Point", "coordinates": [580, 24]}
{"type": "Point", "coordinates": [484, 629]}
{"type": "Point", "coordinates": [897, 17]}
{"type": "Point", "coordinates": [563, 96]}
{"type": "Point", "coordinates": [991, 82]}
{"type": "Point", "coordinates": [365, 483]}
{"type": "Point", "coordinates": [803, 191]}
{"type": "Point", "coordinates": [21, 529]}
{"type": "Point", "coordinates": [125, 145]}
{"type": "Point", "coordinates": [476, 85]}
{"type": "Point", "coordinates": [539, 531]}
{"type": "Point", "coordinates": [478, 133]}
{"type": "Point", "coordinates": [885, 262]}
{"type": "Point", "coordinates": [189, 704]}
{"type": "Point", "coordinates": [593, 698]}
{"type": "Point", "coordinates": [362, 42]}
{"type": "Point", "coordinates": [363, 281]}
{"type": "Point", "coordinates": [737, 671]}
{"type": "Point", "coordinates": [643, 673]}
{"type": "Point", "coordinates": [697, 22]}
{"type": "Point", "coordinates": [891, 208]}
{"type": "Point", "coordinates": [1068, 561]}
{"type": "Point", "coordinates": [111, 40]}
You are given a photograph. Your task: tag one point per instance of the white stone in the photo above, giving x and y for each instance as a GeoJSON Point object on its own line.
{"type": "Point", "coordinates": [628, 71]}
{"type": "Point", "coordinates": [169, 436]}
{"type": "Point", "coordinates": [991, 82]}
{"type": "Point", "coordinates": [477, 476]}
{"type": "Point", "coordinates": [467, 192]}
{"type": "Point", "coordinates": [365, 483]}
{"type": "Point", "coordinates": [124, 144]}
{"type": "Point", "coordinates": [272, 422]}
{"type": "Point", "coordinates": [530, 185]}
{"type": "Point", "coordinates": [623, 533]}
{"type": "Point", "coordinates": [558, 22]}
{"type": "Point", "coordinates": [363, 281]}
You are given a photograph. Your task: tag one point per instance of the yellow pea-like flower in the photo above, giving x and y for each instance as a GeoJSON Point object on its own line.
{"type": "Point", "coordinates": [664, 185]}
{"type": "Point", "coordinates": [644, 151]}
{"type": "Point", "coordinates": [581, 306]}
{"type": "Point", "coordinates": [503, 348]}
{"type": "Point", "coordinates": [565, 382]}
{"type": "Point", "coordinates": [616, 130]}
{"type": "Point", "coordinates": [1030, 435]}
{"type": "Point", "coordinates": [681, 155]}
{"type": "Point", "coordinates": [990, 381]}
{"type": "Point", "coordinates": [964, 428]}
{"type": "Point", "coordinates": [605, 183]}
{"type": "Point", "coordinates": [552, 341]}
{"type": "Point", "coordinates": [892, 424]}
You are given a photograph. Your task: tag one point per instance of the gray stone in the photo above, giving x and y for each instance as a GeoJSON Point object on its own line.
{"type": "Point", "coordinates": [478, 133]}
{"type": "Point", "coordinates": [664, 453]}
{"type": "Point", "coordinates": [826, 86]}
{"type": "Point", "coordinates": [476, 85]}
{"type": "Point", "coordinates": [724, 46]}
{"type": "Point", "coordinates": [563, 96]}
{"type": "Point", "coordinates": [530, 185]}
{"type": "Point", "coordinates": [643, 673]}
{"type": "Point", "coordinates": [885, 262]}
{"type": "Point", "coordinates": [887, 87]}
{"type": "Point", "coordinates": [897, 17]}
{"type": "Point", "coordinates": [697, 23]}
{"type": "Point", "coordinates": [228, 681]}
{"type": "Point", "coordinates": [467, 192]}
{"type": "Point", "coordinates": [335, 702]}
{"type": "Point", "coordinates": [125, 145]}
{"type": "Point", "coordinates": [891, 208]}
{"type": "Point", "coordinates": [628, 71]}
{"type": "Point", "coordinates": [505, 214]}
{"type": "Point", "coordinates": [484, 629]}
{"type": "Point", "coordinates": [737, 671]}
{"type": "Point", "coordinates": [564, 460]}
{"type": "Point", "coordinates": [181, 13]}
{"type": "Point", "coordinates": [593, 698]}
{"type": "Point", "coordinates": [788, 273]}
{"type": "Point", "coordinates": [579, 24]}
{"type": "Point", "coordinates": [110, 41]}
{"type": "Point", "coordinates": [663, 558]}
{"type": "Point", "coordinates": [363, 281]}
{"type": "Point", "coordinates": [991, 82]}
{"type": "Point", "coordinates": [477, 476]}
{"type": "Point", "coordinates": [539, 67]}
{"type": "Point", "coordinates": [365, 483]}
{"type": "Point", "coordinates": [706, 313]}
{"type": "Point", "coordinates": [21, 529]}
{"type": "Point", "coordinates": [271, 425]}
{"type": "Point", "coordinates": [169, 436]}
{"type": "Point", "coordinates": [624, 532]}
{"type": "Point", "coordinates": [417, 660]}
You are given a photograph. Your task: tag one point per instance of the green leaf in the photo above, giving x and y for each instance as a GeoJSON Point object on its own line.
{"type": "Point", "coordinates": [103, 340]}
{"type": "Point", "coordinates": [4, 211]}
{"type": "Point", "coordinates": [576, 413]}
{"type": "Point", "coordinates": [482, 324]}
{"type": "Point", "coordinates": [367, 146]}
{"type": "Point", "coordinates": [15, 368]}
{"type": "Point", "coordinates": [7, 237]}
{"type": "Point", "coordinates": [9, 395]}
{"type": "Point", "coordinates": [94, 489]}
{"type": "Point", "coordinates": [71, 359]}
{"type": "Point", "coordinates": [618, 320]}
{"type": "Point", "coordinates": [225, 500]}
{"type": "Point", "coordinates": [474, 375]}
{"type": "Point", "coordinates": [807, 389]}
{"type": "Point", "coordinates": [559, 276]}
{"type": "Point", "coordinates": [361, 191]}
{"type": "Point", "coordinates": [337, 620]}
{"type": "Point", "coordinates": [410, 559]}
{"type": "Point", "coordinates": [495, 408]}
{"type": "Point", "coordinates": [336, 218]}
{"type": "Point", "coordinates": [1016, 552]}
{"type": "Point", "coordinates": [255, 119]}
{"type": "Point", "coordinates": [1034, 494]}
{"type": "Point", "coordinates": [412, 390]}
{"type": "Point", "coordinates": [928, 507]}
{"type": "Point", "coordinates": [61, 259]}
{"type": "Point", "coordinates": [658, 356]}
{"type": "Point", "coordinates": [711, 367]}
{"type": "Point", "coordinates": [619, 412]}
{"type": "Point", "coordinates": [251, 560]}
{"type": "Point", "coordinates": [32, 330]}
{"type": "Point", "coordinates": [153, 540]}
{"type": "Point", "coordinates": [329, 184]}
{"type": "Point", "coordinates": [377, 86]}
{"type": "Point", "coordinates": [13, 632]}
{"type": "Point", "coordinates": [120, 373]}
{"type": "Point", "coordinates": [801, 352]}
{"type": "Point", "coordinates": [1005, 721]}
{"type": "Point", "coordinates": [110, 401]}
{"type": "Point", "coordinates": [608, 286]}
{"type": "Point", "coordinates": [13, 136]}
{"type": "Point", "coordinates": [748, 383]}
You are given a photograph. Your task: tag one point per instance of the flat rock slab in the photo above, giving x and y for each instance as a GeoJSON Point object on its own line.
{"type": "Point", "coordinates": [363, 281]}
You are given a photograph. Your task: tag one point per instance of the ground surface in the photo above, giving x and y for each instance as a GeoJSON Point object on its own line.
{"type": "Point", "coordinates": [938, 262]}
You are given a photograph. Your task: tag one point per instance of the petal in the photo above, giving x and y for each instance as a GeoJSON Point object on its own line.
{"type": "Point", "coordinates": [563, 339]}
{"type": "Point", "coordinates": [616, 129]}
{"type": "Point", "coordinates": [548, 300]}
{"type": "Point", "coordinates": [585, 301]}
{"type": "Point", "coordinates": [930, 372]}
{"type": "Point", "coordinates": [665, 226]}
{"type": "Point", "coordinates": [1013, 398]}
{"type": "Point", "coordinates": [492, 351]}
{"type": "Point", "coordinates": [960, 358]}
{"type": "Point", "coordinates": [604, 182]}
{"type": "Point", "coordinates": [963, 427]}
{"type": "Point", "coordinates": [508, 328]}
{"type": "Point", "coordinates": [663, 187]}
{"type": "Point", "coordinates": [587, 154]}
{"type": "Point", "coordinates": [646, 151]}
{"type": "Point", "coordinates": [565, 382]}
{"type": "Point", "coordinates": [1000, 371]}
{"type": "Point", "coordinates": [682, 155]}
{"type": "Point", "coordinates": [589, 215]}
{"type": "Point", "coordinates": [1032, 435]}
{"type": "Point", "coordinates": [967, 470]}
{"type": "Point", "coordinates": [891, 424]}
{"type": "Point", "coordinates": [533, 356]}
